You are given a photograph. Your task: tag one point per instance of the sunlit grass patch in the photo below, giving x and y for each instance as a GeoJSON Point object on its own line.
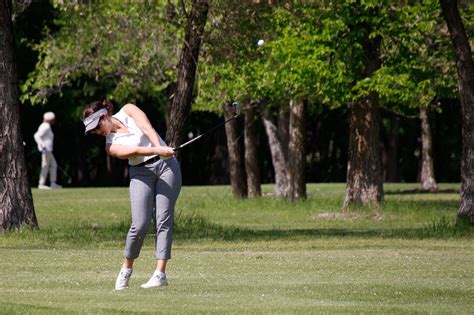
{"type": "Point", "coordinates": [100, 217]}
{"type": "Point", "coordinates": [263, 255]}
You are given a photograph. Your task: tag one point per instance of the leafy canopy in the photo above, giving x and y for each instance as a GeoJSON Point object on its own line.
{"type": "Point", "coordinates": [124, 49]}
{"type": "Point", "coordinates": [315, 50]}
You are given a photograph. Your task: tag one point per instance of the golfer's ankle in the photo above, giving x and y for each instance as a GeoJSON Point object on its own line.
{"type": "Point", "coordinates": [128, 263]}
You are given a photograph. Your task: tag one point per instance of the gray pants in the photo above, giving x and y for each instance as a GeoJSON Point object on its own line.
{"type": "Point", "coordinates": [48, 165]}
{"type": "Point", "coordinates": [156, 186]}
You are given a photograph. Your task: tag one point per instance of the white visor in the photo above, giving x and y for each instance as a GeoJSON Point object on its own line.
{"type": "Point", "coordinates": [92, 121]}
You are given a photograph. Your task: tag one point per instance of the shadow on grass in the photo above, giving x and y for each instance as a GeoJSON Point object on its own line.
{"type": "Point", "coordinates": [416, 206]}
{"type": "Point", "coordinates": [77, 233]}
{"type": "Point", "coordinates": [421, 191]}
{"type": "Point", "coordinates": [193, 228]}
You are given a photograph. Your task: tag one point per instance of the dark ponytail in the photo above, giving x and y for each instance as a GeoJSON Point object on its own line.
{"type": "Point", "coordinates": [98, 105]}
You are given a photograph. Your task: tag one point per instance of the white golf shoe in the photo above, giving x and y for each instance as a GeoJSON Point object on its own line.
{"type": "Point", "coordinates": [157, 280]}
{"type": "Point", "coordinates": [122, 279]}
{"type": "Point", "coordinates": [56, 186]}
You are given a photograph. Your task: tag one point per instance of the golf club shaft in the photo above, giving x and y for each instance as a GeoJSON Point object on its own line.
{"type": "Point", "coordinates": [202, 135]}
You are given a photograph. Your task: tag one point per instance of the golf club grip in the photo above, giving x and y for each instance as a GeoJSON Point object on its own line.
{"type": "Point", "coordinates": [189, 142]}
{"type": "Point", "coordinates": [200, 136]}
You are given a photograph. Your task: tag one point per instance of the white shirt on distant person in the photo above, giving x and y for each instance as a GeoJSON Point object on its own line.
{"type": "Point", "coordinates": [44, 137]}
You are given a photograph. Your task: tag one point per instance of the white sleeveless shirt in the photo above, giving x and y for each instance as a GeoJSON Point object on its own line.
{"type": "Point", "coordinates": [135, 137]}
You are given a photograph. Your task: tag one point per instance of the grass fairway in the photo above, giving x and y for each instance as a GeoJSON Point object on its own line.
{"type": "Point", "coordinates": [247, 256]}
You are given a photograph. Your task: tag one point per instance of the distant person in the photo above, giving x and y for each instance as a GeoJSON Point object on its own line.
{"type": "Point", "coordinates": [44, 138]}
{"type": "Point", "coordinates": [155, 181]}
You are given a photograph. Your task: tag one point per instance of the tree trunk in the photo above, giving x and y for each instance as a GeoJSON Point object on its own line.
{"type": "Point", "coordinates": [364, 169]}
{"type": "Point", "coordinates": [16, 201]}
{"type": "Point", "coordinates": [251, 154]}
{"type": "Point", "coordinates": [393, 144]}
{"type": "Point", "coordinates": [465, 68]}
{"type": "Point", "coordinates": [427, 178]}
{"type": "Point", "coordinates": [296, 151]}
{"type": "Point", "coordinates": [181, 102]}
{"type": "Point", "coordinates": [284, 129]}
{"type": "Point", "coordinates": [279, 161]}
{"type": "Point", "coordinates": [236, 165]}
{"type": "Point", "coordinates": [169, 94]}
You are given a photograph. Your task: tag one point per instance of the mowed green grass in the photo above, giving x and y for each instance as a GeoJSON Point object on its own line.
{"type": "Point", "coordinates": [245, 256]}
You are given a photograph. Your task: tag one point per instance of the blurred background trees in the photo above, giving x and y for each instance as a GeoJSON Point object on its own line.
{"type": "Point", "coordinates": [355, 91]}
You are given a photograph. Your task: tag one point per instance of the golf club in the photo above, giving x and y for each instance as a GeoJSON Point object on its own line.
{"type": "Point", "coordinates": [236, 107]}
{"type": "Point", "coordinates": [65, 174]}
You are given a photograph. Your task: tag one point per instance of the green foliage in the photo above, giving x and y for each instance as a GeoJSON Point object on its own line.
{"type": "Point", "coordinates": [227, 69]}
{"type": "Point", "coordinates": [305, 57]}
{"type": "Point", "coordinates": [312, 50]}
{"type": "Point", "coordinates": [127, 49]}
{"type": "Point", "coordinates": [315, 50]}
{"type": "Point", "coordinates": [418, 63]}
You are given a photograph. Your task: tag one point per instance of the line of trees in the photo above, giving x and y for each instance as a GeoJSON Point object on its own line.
{"type": "Point", "coordinates": [361, 57]}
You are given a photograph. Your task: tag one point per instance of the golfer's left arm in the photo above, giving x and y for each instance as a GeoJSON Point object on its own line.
{"type": "Point", "coordinates": [142, 122]}
{"type": "Point", "coordinates": [126, 152]}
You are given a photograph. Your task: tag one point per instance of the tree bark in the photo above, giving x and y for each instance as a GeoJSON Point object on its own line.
{"type": "Point", "coordinates": [16, 201]}
{"type": "Point", "coordinates": [427, 178]}
{"type": "Point", "coordinates": [283, 128]}
{"type": "Point", "coordinates": [181, 101]}
{"type": "Point", "coordinates": [296, 151]}
{"type": "Point", "coordinates": [465, 68]}
{"type": "Point", "coordinates": [251, 153]}
{"type": "Point", "coordinates": [236, 165]}
{"type": "Point", "coordinates": [169, 94]}
{"type": "Point", "coordinates": [279, 161]}
{"type": "Point", "coordinates": [364, 169]}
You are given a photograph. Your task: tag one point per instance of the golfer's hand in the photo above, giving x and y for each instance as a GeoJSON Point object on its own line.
{"type": "Point", "coordinates": [166, 152]}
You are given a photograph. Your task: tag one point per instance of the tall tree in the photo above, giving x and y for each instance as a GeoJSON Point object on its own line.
{"type": "Point", "coordinates": [465, 68]}
{"type": "Point", "coordinates": [420, 51]}
{"type": "Point", "coordinates": [364, 169]}
{"type": "Point", "coordinates": [413, 66]}
{"type": "Point", "coordinates": [16, 201]}
{"type": "Point", "coordinates": [230, 47]}
{"type": "Point", "coordinates": [280, 163]}
{"type": "Point", "coordinates": [252, 170]}
{"type": "Point", "coordinates": [182, 97]}
{"type": "Point", "coordinates": [236, 161]}
{"type": "Point", "coordinates": [427, 178]}
{"type": "Point", "coordinates": [296, 150]}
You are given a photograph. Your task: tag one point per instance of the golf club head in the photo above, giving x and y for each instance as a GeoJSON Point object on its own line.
{"type": "Point", "coordinates": [236, 107]}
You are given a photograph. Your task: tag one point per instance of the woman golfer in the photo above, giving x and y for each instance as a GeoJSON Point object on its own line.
{"type": "Point", "coordinates": [155, 181]}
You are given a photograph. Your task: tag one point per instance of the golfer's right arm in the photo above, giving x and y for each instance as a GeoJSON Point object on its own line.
{"type": "Point", "coordinates": [125, 152]}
